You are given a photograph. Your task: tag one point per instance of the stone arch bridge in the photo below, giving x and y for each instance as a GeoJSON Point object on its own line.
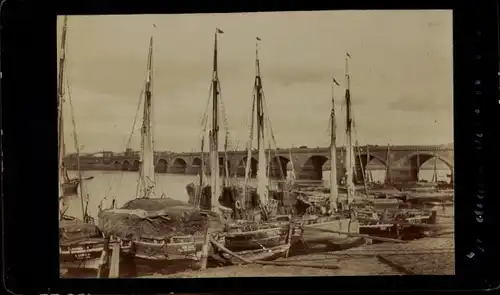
{"type": "Point", "coordinates": [405, 161]}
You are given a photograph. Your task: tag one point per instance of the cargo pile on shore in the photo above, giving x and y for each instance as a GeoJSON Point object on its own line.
{"type": "Point", "coordinates": [426, 256]}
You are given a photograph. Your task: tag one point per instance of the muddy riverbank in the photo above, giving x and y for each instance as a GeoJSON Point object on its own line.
{"type": "Point", "coordinates": [428, 256]}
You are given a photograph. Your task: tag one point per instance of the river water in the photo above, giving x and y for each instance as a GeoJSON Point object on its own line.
{"type": "Point", "coordinates": [122, 186]}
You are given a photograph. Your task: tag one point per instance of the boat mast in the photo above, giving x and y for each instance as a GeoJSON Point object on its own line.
{"type": "Point", "coordinates": [147, 154]}
{"type": "Point", "coordinates": [262, 179]}
{"type": "Point", "coordinates": [248, 165]}
{"type": "Point", "coordinates": [333, 154]}
{"type": "Point", "coordinates": [350, 152]}
{"type": "Point", "coordinates": [368, 173]}
{"type": "Point", "coordinates": [60, 100]}
{"type": "Point", "coordinates": [388, 176]}
{"type": "Point", "coordinates": [434, 176]}
{"type": "Point", "coordinates": [292, 172]}
{"type": "Point", "coordinates": [214, 133]}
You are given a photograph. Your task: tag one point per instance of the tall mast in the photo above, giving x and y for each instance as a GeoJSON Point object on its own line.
{"type": "Point", "coordinates": [60, 100]}
{"type": "Point", "coordinates": [434, 175]}
{"type": "Point", "coordinates": [214, 133]}
{"type": "Point", "coordinates": [368, 175]}
{"type": "Point", "coordinates": [262, 179]}
{"type": "Point", "coordinates": [292, 175]}
{"type": "Point", "coordinates": [333, 154]}
{"type": "Point", "coordinates": [147, 154]}
{"type": "Point", "coordinates": [388, 176]}
{"type": "Point", "coordinates": [350, 152]}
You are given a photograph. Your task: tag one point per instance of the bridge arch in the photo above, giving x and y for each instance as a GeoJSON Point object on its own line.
{"type": "Point", "coordinates": [117, 165]}
{"type": "Point", "coordinates": [417, 159]}
{"type": "Point", "coordinates": [136, 165]}
{"type": "Point", "coordinates": [222, 169]}
{"type": "Point", "coordinates": [314, 167]}
{"type": "Point", "coordinates": [363, 162]}
{"type": "Point", "coordinates": [179, 166]}
{"type": "Point", "coordinates": [161, 166]}
{"type": "Point", "coordinates": [126, 166]}
{"type": "Point", "coordinates": [253, 166]}
{"type": "Point", "coordinates": [279, 166]}
{"type": "Point", "coordinates": [196, 163]}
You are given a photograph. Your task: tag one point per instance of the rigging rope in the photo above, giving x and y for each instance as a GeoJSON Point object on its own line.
{"type": "Point", "coordinates": [359, 154]}
{"type": "Point", "coordinates": [228, 142]}
{"type": "Point", "coordinates": [83, 194]}
{"type": "Point", "coordinates": [75, 138]}
{"type": "Point", "coordinates": [282, 173]}
{"type": "Point", "coordinates": [118, 179]}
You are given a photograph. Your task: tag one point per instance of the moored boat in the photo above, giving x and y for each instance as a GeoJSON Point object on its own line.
{"type": "Point", "coordinates": [261, 254]}
{"type": "Point", "coordinates": [329, 220]}
{"type": "Point", "coordinates": [209, 189]}
{"type": "Point", "coordinates": [81, 243]}
{"type": "Point", "coordinates": [160, 228]}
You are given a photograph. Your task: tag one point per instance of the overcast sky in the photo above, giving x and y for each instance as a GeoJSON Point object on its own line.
{"type": "Point", "coordinates": [401, 75]}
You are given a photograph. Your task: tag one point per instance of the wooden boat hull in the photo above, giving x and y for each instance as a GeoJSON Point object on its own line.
{"type": "Point", "coordinates": [430, 197]}
{"type": "Point", "coordinates": [165, 252]}
{"type": "Point", "coordinates": [380, 230]}
{"type": "Point", "coordinates": [253, 255]}
{"type": "Point", "coordinates": [70, 188]}
{"type": "Point", "coordinates": [88, 259]}
{"type": "Point", "coordinates": [81, 244]}
{"type": "Point", "coordinates": [157, 251]}
{"type": "Point", "coordinates": [313, 234]}
{"type": "Point", "coordinates": [266, 238]}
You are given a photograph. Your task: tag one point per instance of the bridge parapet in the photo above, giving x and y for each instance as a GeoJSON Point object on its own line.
{"type": "Point", "coordinates": [308, 161]}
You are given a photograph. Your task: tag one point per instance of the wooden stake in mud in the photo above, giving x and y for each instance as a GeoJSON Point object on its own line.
{"type": "Point", "coordinates": [104, 257]}
{"type": "Point", "coordinates": [290, 235]}
{"type": "Point", "coordinates": [114, 270]}
{"type": "Point", "coordinates": [206, 244]}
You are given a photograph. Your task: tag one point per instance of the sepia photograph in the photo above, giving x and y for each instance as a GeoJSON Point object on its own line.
{"type": "Point", "coordinates": [269, 144]}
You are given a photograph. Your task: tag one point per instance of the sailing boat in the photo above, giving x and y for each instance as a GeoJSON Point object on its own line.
{"type": "Point", "coordinates": [81, 242]}
{"type": "Point", "coordinates": [69, 186]}
{"type": "Point", "coordinates": [336, 215]}
{"type": "Point", "coordinates": [260, 233]}
{"type": "Point", "coordinates": [208, 195]}
{"type": "Point", "coordinates": [160, 228]}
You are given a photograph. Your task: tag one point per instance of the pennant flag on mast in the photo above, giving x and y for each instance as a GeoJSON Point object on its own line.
{"type": "Point", "coordinates": [258, 39]}
{"type": "Point", "coordinates": [335, 81]}
{"type": "Point", "coordinates": [348, 55]}
{"type": "Point", "coordinates": [220, 31]}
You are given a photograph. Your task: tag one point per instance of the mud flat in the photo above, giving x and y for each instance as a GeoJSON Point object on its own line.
{"type": "Point", "coordinates": [428, 256]}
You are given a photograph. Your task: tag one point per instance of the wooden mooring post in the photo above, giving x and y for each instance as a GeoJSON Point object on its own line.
{"type": "Point", "coordinates": [290, 235]}
{"type": "Point", "coordinates": [206, 244]}
{"type": "Point", "coordinates": [104, 257]}
{"type": "Point", "coordinates": [114, 268]}
{"type": "Point", "coordinates": [112, 260]}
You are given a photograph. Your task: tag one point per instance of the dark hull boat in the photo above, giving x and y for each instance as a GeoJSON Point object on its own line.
{"type": "Point", "coordinates": [261, 254]}
{"type": "Point", "coordinates": [70, 187]}
{"type": "Point", "coordinates": [254, 240]}
{"type": "Point", "coordinates": [160, 228]}
{"type": "Point", "coordinates": [247, 229]}
{"type": "Point", "coordinates": [397, 223]}
{"type": "Point", "coordinates": [81, 245]}
{"type": "Point", "coordinates": [432, 196]}
{"type": "Point", "coordinates": [315, 226]}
